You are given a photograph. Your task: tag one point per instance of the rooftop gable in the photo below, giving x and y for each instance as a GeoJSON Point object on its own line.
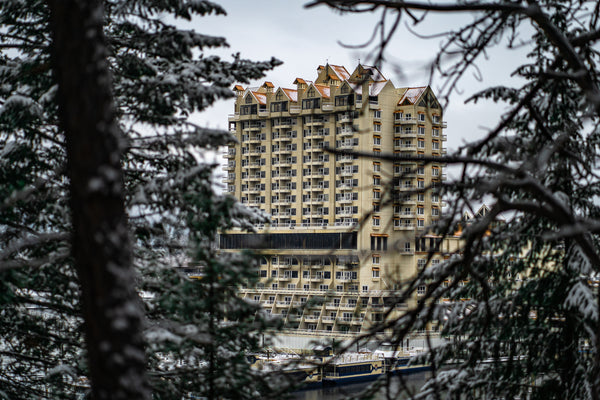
{"type": "Point", "coordinates": [366, 73]}
{"type": "Point", "coordinates": [412, 95]}
{"type": "Point", "coordinates": [292, 94]}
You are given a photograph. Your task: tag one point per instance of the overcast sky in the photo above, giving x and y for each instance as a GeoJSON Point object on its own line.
{"type": "Point", "coordinates": [304, 38]}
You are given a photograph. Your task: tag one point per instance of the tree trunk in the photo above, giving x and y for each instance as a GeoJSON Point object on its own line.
{"type": "Point", "coordinates": [101, 246]}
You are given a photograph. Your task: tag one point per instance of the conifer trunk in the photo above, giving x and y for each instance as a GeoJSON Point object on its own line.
{"type": "Point", "coordinates": [100, 243]}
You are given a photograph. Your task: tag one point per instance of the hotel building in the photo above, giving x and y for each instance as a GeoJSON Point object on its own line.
{"type": "Point", "coordinates": [346, 229]}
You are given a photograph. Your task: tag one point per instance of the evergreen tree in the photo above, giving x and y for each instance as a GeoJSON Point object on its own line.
{"type": "Point", "coordinates": [519, 302]}
{"type": "Point", "coordinates": [160, 75]}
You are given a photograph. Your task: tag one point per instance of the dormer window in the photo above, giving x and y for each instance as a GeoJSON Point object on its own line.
{"type": "Point", "coordinates": [248, 99]}
{"type": "Point", "coordinates": [345, 89]}
{"type": "Point", "coordinates": [279, 96]}
{"type": "Point", "coordinates": [311, 92]}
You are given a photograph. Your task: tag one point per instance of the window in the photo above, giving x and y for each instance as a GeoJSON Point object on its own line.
{"type": "Point", "coordinates": [421, 197]}
{"type": "Point", "coordinates": [436, 145]}
{"type": "Point", "coordinates": [376, 180]}
{"type": "Point", "coordinates": [376, 207]}
{"type": "Point", "coordinates": [435, 172]}
{"type": "Point", "coordinates": [421, 289]}
{"type": "Point", "coordinates": [407, 247]}
{"type": "Point", "coordinates": [421, 130]}
{"type": "Point", "coordinates": [263, 273]}
{"type": "Point", "coordinates": [376, 273]}
{"type": "Point", "coordinates": [376, 221]}
{"type": "Point", "coordinates": [376, 167]}
{"type": "Point", "coordinates": [376, 194]}
{"type": "Point", "coordinates": [376, 127]}
{"type": "Point", "coordinates": [420, 223]}
{"type": "Point", "coordinates": [421, 184]}
{"type": "Point", "coordinates": [365, 288]}
{"type": "Point", "coordinates": [274, 286]}
{"type": "Point", "coordinates": [377, 114]}
{"type": "Point", "coordinates": [421, 144]}
{"type": "Point", "coordinates": [379, 243]}
{"type": "Point", "coordinates": [323, 287]}
{"type": "Point", "coordinates": [421, 262]}
{"type": "Point", "coordinates": [279, 106]}
{"type": "Point", "coordinates": [421, 171]}
{"type": "Point", "coordinates": [308, 104]}
{"type": "Point", "coordinates": [376, 259]}
{"type": "Point", "coordinates": [420, 211]}
{"type": "Point", "coordinates": [435, 212]}
{"type": "Point", "coordinates": [421, 117]}
{"type": "Point", "coordinates": [435, 198]}
{"type": "Point", "coordinates": [377, 140]}
{"type": "Point", "coordinates": [435, 132]}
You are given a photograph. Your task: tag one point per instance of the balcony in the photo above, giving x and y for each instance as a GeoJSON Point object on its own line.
{"type": "Point", "coordinates": [346, 132]}
{"type": "Point", "coordinates": [316, 200]}
{"type": "Point", "coordinates": [295, 109]}
{"type": "Point", "coordinates": [405, 135]}
{"type": "Point", "coordinates": [406, 147]}
{"type": "Point", "coordinates": [327, 106]}
{"type": "Point", "coordinates": [346, 146]}
{"type": "Point", "coordinates": [439, 123]}
{"type": "Point", "coordinates": [405, 120]}
{"type": "Point", "coordinates": [344, 186]}
{"type": "Point", "coordinates": [311, 318]}
{"type": "Point", "coordinates": [317, 161]}
{"type": "Point", "coordinates": [404, 227]}
{"type": "Point", "coordinates": [254, 139]}
{"type": "Point", "coordinates": [345, 118]}
{"type": "Point", "coordinates": [263, 113]}
{"type": "Point", "coordinates": [252, 128]}
{"type": "Point", "coordinates": [315, 133]}
{"type": "Point", "coordinates": [229, 153]}
{"type": "Point", "coordinates": [346, 159]}
{"type": "Point", "coordinates": [344, 213]}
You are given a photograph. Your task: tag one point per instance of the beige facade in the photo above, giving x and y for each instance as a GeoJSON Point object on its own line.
{"type": "Point", "coordinates": [346, 230]}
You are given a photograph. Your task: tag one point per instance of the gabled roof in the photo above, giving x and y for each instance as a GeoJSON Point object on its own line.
{"type": "Point", "coordinates": [299, 80]}
{"type": "Point", "coordinates": [374, 72]}
{"type": "Point", "coordinates": [292, 94]}
{"type": "Point", "coordinates": [268, 84]}
{"type": "Point", "coordinates": [374, 88]}
{"type": "Point", "coordinates": [412, 95]}
{"type": "Point", "coordinates": [323, 90]}
{"type": "Point", "coordinates": [341, 72]}
{"type": "Point", "coordinates": [239, 88]}
{"type": "Point", "coordinates": [261, 98]}
{"type": "Point", "coordinates": [366, 73]}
